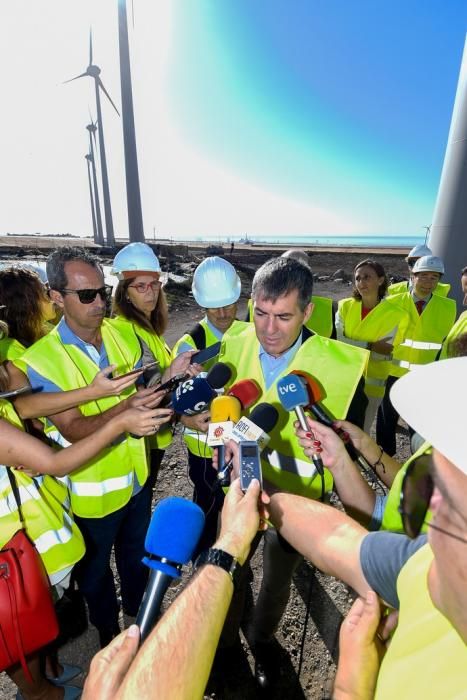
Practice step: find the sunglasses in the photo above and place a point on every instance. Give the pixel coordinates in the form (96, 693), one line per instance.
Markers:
(87, 296)
(416, 492)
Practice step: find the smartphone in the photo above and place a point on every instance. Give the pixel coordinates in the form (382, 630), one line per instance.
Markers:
(207, 354)
(143, 368)
(16, 392)
(250, 464)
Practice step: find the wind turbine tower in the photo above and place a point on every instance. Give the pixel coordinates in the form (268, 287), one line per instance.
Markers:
(88, 157)
(448, 235)
(133, 193)
(93, 72)
(92, 128)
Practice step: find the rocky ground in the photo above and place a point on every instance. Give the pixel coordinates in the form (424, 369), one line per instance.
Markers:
(328, 600)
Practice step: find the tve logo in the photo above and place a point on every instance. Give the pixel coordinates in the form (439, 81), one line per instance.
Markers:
(288, 388)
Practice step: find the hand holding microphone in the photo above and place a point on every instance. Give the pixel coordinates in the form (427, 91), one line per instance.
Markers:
(293, 395)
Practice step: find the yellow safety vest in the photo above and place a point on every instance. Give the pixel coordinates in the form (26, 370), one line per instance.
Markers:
(442, 288)
(104, 484)
(384, 321)
(459, 328)
(392, 519)
(46, 511)
(426, 657)
(194, 440)
(161, 352)
(337, 366)
(321, 319)
(425, 334)
(10, 349)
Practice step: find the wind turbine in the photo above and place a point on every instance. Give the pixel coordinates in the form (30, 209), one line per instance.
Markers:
(88, 157)
(92, 128)
(133, 193)
(93, 72)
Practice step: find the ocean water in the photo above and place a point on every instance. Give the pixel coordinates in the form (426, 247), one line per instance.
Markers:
(325, 241)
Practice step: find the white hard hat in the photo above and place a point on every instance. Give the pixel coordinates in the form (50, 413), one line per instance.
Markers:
(444, 427)
(40, 271)
(135, 258)
(429, 263)
(215, 283)
(419, 251)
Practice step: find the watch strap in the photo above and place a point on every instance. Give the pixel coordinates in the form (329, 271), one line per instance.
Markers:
(217, 557)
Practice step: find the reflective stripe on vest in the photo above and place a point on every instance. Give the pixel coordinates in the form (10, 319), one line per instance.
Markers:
(421, 345)
(427, 657)
(338, 366)
(69, 368)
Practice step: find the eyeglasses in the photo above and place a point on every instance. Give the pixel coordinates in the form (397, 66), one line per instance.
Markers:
(416, 492)
(87, 296)
(142, 288)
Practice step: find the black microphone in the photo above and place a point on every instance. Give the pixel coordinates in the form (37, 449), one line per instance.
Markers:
(195, 395)
(173, 534)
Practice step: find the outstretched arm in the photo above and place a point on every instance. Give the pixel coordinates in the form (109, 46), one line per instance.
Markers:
(18, 449)
(176, 659)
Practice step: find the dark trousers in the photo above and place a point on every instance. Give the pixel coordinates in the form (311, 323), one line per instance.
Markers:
(386, 421)
(208, 495)
(125, 530)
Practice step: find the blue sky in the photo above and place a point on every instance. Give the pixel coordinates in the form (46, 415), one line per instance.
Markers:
(253, 116)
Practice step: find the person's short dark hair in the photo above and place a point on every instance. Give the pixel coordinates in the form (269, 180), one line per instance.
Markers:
(57, 260)
(458, 346)
(380, 271)
(280, 276)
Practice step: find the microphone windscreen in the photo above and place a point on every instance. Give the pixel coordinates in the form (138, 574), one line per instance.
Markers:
(315, 389)
(292, 392)
(193, 396)
(247, 391)
(225, 408)
(219, 375)
(265, 416)
(173, 534)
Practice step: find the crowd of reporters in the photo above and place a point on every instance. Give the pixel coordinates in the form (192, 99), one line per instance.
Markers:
(98, 490)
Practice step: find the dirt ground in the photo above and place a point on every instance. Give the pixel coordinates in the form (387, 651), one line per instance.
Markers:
(328, 599)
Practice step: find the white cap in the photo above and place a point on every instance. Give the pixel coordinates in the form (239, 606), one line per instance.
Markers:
(428, 263)
(419, 251)
(431, 399)
(215, 283)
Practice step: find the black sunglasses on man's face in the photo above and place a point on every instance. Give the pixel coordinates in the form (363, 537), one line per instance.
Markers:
(87, 296)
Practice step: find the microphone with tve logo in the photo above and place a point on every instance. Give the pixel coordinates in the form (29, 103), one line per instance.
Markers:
(173, 534)
(293, 395)
(315, 395)
(195, 395)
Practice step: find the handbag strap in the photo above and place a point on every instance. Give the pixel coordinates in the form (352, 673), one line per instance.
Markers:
(16, 494)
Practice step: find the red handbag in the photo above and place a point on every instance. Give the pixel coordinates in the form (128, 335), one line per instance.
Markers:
(27, 616)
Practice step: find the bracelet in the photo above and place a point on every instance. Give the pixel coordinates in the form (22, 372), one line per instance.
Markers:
(379, 461)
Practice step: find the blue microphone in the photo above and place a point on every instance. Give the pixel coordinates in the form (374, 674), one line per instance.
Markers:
(293, 395)
(173, 534)
(195, 395)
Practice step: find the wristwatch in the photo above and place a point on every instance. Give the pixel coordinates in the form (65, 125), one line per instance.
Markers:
(217, 557)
